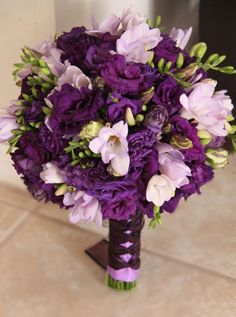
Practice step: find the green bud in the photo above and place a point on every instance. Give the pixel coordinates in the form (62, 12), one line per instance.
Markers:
(88, 152)
(75, 162)
(46, 71)
(129, 117)
(47, 86)
(181, 142)
(112, 172)
(150, 60)
(180, 60)
(139, 117)
(91, 130)
(81, 154)
(217, 158)
(158, 21)
(160, 64)
(167, 66)
(147, 95)
(198, 50)
(204, 136)
(144, 108)
(62, 189)
(47, 111)
(188, 71)
(150, 22)
(18, 112)
(230, 118)
(42, 63)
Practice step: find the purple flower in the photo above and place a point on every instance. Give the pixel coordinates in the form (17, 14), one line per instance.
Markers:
(51, 142)
(167, 94)
(33, 112)
(127, 78)
(32, 148)
(181, 37)
(156, 118)
(97, 56)
(168, 50)
(117, 106)
(7, 124)
(184, 128)
(72, 108)
(216, 142)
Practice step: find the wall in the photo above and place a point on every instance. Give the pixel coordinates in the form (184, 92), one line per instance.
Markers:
(24, 22)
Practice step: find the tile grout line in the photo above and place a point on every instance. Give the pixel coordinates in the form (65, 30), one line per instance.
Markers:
(179, 261)
(14, 228)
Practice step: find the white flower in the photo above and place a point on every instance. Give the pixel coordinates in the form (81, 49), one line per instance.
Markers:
(110, 24)
(75, 77)
(51, 174)
(7, 124)
(113, 146)
(181, 37)
(160, 189)
(171, 164)
(85, 208)
(209, 109)
(135, 43)
(131, 18)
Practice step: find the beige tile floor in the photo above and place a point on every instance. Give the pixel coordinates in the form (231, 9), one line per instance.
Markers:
(188, 263)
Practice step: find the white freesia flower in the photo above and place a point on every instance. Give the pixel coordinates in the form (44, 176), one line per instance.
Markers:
(130, 18)
(209, 109)
(75, 77)
(181, 37)
(160, 189)
(85, 208)
(7, 124)
(113, 145)
(171, 164)
(135, 43)
(51, 174)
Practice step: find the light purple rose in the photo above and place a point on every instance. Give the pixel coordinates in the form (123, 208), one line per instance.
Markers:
(171, 164)
(209, 109)
(159, 189)
(181, 37)
(135, 43)
(7, 124)
(85, 208)
(113, 145)
(75, 77)
(51, 174)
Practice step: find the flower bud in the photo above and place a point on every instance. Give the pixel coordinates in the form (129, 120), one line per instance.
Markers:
(181, 142)
(204, 136)
(129, 117)
(91, 130)
(62, 189)
(147, 95)
(217, 158)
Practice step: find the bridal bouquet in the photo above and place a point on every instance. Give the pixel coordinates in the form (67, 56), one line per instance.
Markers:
(118, 122)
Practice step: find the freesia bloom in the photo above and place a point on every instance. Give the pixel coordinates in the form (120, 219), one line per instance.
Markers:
(85, 207)
(113, 146)
(52, 56)
(208, 109)
(131, 18)
(135, 43)
(7, 124)
(181, 37)
(110, 24)
(51, 174)
(171, 164)
(160, 189)
(75, 77)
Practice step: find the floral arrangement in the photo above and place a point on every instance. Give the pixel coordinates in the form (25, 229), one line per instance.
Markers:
(118, 122)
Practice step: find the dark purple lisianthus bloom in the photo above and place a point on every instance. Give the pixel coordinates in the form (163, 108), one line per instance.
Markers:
(201, 174)
(121, 209)
(24, 165)
(117, 106)
(97, 56)
(172, 204)
(34, 111)
(33, 148)
(167, 93)
(168, 50)
(183, 127)
(72, 108)
(140, 146)
(51, 142)
(156, 118)
(127, 78)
